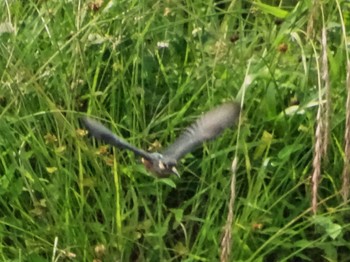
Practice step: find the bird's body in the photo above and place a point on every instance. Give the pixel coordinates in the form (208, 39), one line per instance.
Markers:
(163, 164)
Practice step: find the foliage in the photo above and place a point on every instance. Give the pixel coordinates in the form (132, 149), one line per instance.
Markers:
(148, 68)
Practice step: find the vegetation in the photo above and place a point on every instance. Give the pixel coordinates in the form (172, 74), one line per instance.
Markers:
(147, 69)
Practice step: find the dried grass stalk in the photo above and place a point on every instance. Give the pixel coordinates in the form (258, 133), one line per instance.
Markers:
(316, 163)
(322, 129)
(327, 86)
(226, 241)
(312, 17)
(346, 169)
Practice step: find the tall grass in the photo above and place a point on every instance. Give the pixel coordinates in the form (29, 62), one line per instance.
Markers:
(147, 69)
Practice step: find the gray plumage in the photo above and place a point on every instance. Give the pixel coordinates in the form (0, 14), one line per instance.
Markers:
(99, 131)
(207, 127)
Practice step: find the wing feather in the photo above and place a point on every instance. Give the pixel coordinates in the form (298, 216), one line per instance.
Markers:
(207, 127)
(99, 131)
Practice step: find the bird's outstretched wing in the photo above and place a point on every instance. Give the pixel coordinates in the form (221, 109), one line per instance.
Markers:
(99, 131)
(207, 127)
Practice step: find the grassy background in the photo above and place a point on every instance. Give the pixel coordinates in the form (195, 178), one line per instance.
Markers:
(148, 68)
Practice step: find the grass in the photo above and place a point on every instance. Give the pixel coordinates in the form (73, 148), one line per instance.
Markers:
(147, 69)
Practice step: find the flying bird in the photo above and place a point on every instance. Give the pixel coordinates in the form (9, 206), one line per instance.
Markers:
(163, 164)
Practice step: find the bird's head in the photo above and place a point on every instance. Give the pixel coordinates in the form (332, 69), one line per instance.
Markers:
(161, 166)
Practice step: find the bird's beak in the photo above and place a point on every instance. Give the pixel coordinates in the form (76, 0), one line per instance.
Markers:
(174, 170)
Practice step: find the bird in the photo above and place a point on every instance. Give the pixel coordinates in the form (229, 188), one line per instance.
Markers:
(163, 164)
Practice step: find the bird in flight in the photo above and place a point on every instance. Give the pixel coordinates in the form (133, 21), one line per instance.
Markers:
(163, 164)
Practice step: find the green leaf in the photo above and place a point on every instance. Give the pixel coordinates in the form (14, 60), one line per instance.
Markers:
(288, 150)
(275, 11)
